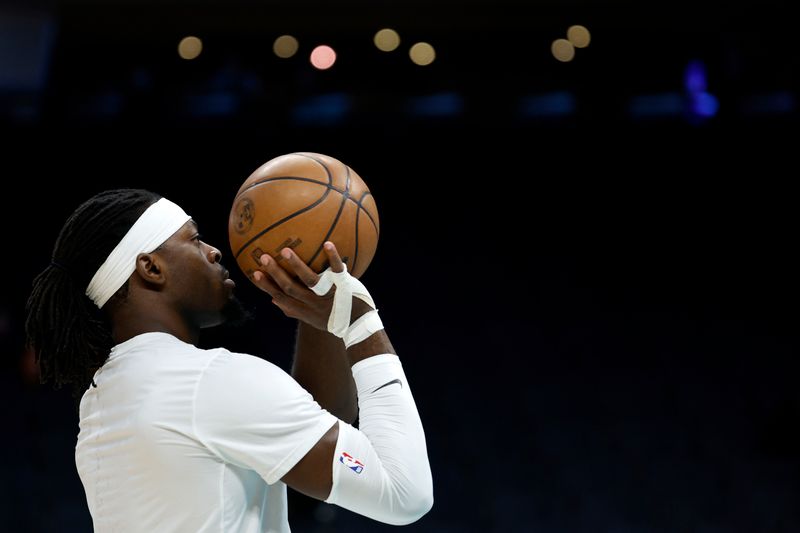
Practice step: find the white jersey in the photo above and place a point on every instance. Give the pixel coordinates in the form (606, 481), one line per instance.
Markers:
(179, 439)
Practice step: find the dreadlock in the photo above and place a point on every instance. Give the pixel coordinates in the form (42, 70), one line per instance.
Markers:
(70, 336)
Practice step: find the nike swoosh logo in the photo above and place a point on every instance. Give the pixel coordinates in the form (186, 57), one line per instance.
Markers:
(389, 383)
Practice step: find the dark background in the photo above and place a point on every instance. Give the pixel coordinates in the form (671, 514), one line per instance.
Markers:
(597, 309)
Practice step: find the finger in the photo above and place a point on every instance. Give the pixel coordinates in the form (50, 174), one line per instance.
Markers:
(286, 283)
(333, 256)
(266, 284)
(290, 307)
(306, 275)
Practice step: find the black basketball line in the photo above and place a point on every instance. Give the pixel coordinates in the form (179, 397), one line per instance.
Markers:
(345, 196)
(360, 204)
(301, 154)
(355, 254)
(284, 219)
(329, 185)
(276, 178)
(358, 216)
(311, 157)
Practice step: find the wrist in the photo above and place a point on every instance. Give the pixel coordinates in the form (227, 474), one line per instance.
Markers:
(376, 344)
(359, 309)
(362, 328)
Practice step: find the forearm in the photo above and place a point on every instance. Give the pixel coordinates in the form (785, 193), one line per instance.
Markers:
(321, 365)
(381, 470)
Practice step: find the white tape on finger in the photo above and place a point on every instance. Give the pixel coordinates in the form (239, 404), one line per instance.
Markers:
(346, 288)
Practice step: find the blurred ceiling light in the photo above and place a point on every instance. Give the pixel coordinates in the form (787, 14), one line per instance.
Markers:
(323, 57)
(579, 36)
(562, 50)
(422, 54)
(190, 47)
(285, 46)
(387, 40)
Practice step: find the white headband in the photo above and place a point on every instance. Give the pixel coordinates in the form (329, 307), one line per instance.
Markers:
(157, 224)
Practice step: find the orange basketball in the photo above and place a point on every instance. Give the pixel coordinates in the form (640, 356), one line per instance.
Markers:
(301, 200)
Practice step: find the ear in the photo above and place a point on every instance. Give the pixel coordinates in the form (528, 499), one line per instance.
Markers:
(151, 269)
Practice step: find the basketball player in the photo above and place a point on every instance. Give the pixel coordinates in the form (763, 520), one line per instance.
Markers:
(178, 439)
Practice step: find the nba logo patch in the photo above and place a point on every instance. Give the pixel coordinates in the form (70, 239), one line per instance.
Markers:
(353, 464)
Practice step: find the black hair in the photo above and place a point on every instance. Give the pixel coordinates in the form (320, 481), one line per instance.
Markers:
(70, 336)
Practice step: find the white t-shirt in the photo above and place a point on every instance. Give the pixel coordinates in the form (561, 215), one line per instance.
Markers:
(179, 439)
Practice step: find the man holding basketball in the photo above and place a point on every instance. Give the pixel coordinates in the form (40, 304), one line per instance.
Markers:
(175, 438)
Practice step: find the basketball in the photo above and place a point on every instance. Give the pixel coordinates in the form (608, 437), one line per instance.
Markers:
(300, 200)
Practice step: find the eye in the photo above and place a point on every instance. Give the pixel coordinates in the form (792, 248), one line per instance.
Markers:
(197, 237)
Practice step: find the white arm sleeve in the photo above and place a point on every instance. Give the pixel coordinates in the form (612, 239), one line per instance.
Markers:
(381, 471)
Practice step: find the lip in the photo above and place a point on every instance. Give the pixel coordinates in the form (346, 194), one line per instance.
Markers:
(226, 279)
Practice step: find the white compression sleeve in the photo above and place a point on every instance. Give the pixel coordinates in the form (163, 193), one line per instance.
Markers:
(381, 471)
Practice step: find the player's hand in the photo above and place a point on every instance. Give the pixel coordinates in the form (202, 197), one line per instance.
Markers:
(292, 295)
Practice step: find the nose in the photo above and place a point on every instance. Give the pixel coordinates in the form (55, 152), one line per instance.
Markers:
(214, 255)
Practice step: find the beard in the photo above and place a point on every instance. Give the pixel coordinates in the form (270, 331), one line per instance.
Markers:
(226, 330)
(234, 314)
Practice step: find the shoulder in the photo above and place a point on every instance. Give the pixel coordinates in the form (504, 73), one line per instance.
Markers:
(225, 361)
(245, 375)
(244, 391)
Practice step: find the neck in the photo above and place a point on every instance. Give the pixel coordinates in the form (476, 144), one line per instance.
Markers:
(129, 321)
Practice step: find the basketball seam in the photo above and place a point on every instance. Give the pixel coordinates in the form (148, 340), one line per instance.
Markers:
(281, 221)
(345, 196)
(359, 202)
(329, 184)
(277, 178)
(301, 154)
(355, 254)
